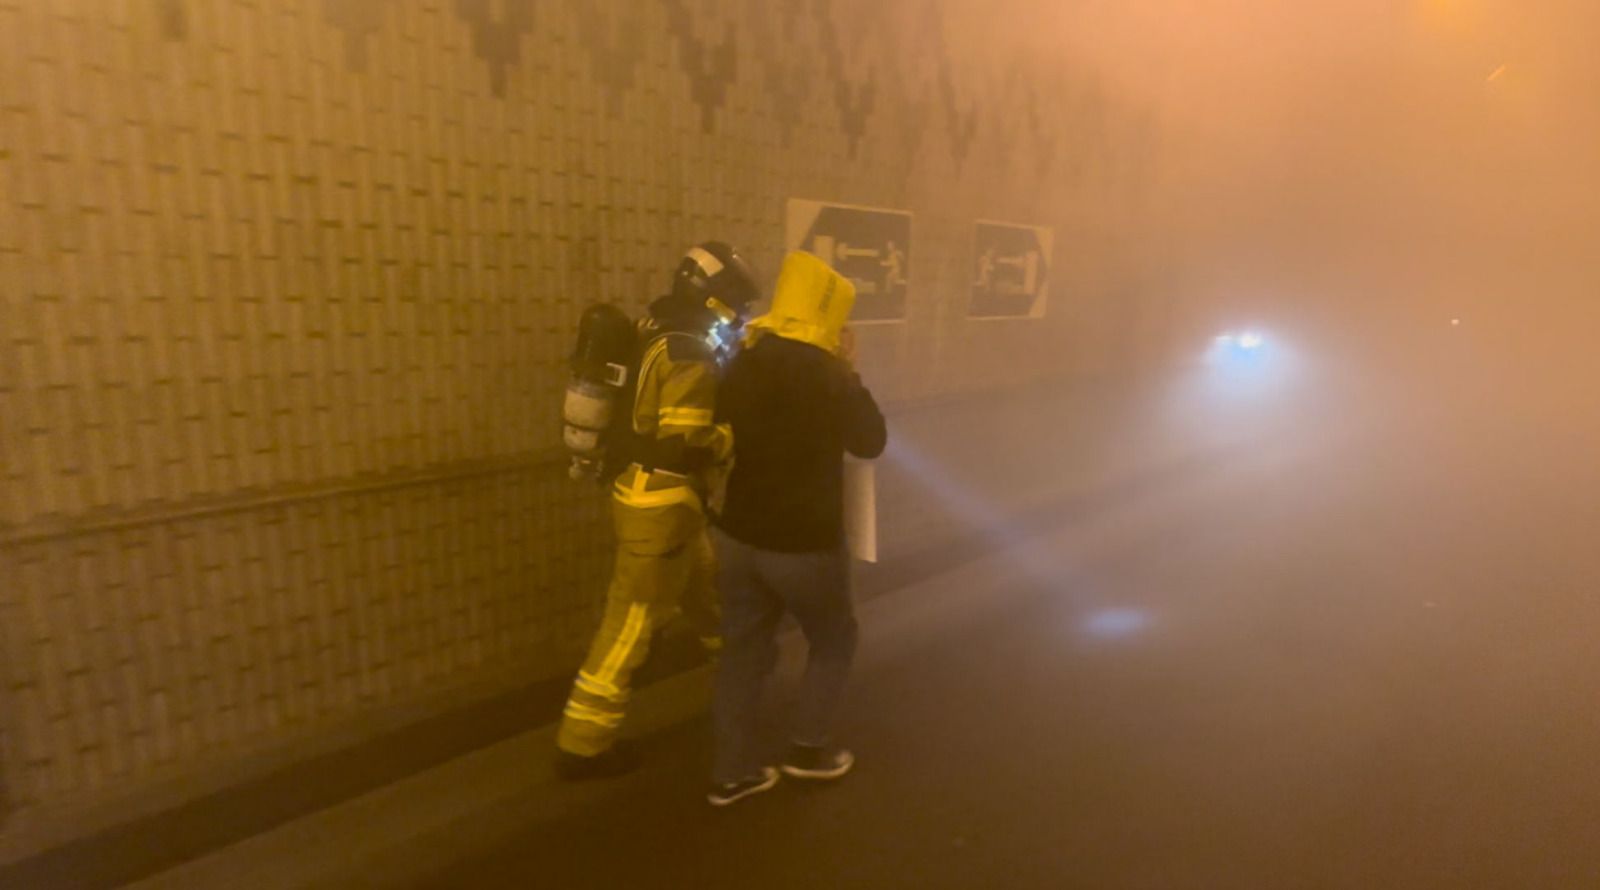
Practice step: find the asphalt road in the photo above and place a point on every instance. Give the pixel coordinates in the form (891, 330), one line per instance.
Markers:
(1359, 654)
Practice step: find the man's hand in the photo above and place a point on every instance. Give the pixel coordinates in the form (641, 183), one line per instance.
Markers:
(847, 346)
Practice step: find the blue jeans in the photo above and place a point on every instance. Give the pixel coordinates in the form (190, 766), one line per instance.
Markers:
(757, 587)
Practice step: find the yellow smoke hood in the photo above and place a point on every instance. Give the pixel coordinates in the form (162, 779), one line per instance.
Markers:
(810, 303)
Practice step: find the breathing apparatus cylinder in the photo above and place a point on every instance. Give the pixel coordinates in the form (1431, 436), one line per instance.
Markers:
(601, 363)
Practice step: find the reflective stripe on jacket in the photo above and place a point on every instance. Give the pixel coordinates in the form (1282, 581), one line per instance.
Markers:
(676, 397)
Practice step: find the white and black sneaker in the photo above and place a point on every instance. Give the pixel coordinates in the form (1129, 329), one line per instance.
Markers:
(817, 763)
(722, 795)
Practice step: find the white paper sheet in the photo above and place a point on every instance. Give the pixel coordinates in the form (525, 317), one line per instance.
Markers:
(861, 509)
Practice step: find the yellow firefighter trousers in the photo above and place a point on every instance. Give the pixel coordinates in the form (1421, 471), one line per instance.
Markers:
(664, 563)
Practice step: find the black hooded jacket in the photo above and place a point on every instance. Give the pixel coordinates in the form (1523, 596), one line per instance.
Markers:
(795, 411)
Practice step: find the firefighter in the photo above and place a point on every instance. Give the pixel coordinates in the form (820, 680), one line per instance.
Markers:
(664, 563)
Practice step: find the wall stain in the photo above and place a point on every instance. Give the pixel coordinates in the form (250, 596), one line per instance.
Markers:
(963, 124)
(615, 50)
(853, 101)
(359, 21)
(711, 69)
(784, 75)
(173, 17)
(498, 27)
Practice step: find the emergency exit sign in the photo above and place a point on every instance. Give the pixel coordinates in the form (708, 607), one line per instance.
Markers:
(870, 246)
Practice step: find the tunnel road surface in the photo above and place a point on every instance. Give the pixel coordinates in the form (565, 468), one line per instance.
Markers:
(1318, 667)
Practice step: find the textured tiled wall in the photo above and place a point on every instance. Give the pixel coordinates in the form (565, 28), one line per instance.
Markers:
(286, 286)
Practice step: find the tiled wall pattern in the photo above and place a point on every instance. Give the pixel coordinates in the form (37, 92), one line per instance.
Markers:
(287, 286)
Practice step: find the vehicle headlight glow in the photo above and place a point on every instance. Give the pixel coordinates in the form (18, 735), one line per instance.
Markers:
(1240, 344)
(1245, 349)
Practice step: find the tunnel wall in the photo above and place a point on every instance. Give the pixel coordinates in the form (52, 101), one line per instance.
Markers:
(287, 289)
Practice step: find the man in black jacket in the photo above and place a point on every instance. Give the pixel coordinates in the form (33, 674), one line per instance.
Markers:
(796, 406)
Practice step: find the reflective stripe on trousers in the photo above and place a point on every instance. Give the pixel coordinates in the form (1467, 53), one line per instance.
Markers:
(663, 562)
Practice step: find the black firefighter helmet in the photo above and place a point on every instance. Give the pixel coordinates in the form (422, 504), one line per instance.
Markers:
(712, 284)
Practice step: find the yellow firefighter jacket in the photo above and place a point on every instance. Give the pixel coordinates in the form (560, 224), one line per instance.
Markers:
(674, 402)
